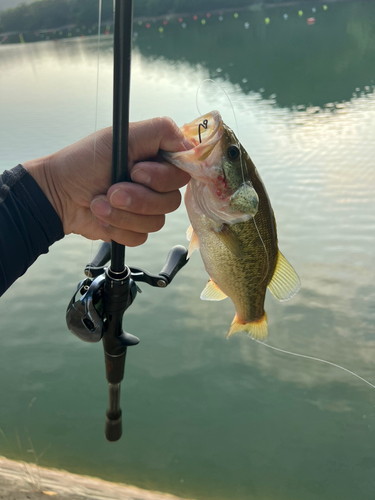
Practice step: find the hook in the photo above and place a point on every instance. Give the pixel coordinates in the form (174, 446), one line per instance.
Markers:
(204, 125)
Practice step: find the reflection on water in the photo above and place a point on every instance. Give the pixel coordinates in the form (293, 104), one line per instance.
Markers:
(210, 418)
(289, 62)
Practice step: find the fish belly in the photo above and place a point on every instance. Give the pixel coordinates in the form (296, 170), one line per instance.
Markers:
(243, 280)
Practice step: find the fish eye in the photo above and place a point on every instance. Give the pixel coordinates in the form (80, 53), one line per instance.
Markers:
(233, 152)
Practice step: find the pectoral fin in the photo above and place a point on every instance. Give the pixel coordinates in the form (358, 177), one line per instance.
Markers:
(285, 282)
(189, 232)
(212, 292)
(194, 241)
(229, 238)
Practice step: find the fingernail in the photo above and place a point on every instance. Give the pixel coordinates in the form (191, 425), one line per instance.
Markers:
(141, 177)
(101, 207)
(120, 198)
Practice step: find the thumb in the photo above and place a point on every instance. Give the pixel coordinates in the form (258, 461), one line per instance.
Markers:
(147, 137)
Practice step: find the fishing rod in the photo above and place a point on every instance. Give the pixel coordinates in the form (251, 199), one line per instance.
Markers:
(99, 302)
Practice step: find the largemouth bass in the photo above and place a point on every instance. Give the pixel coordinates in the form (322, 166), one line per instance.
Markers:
(233, 224)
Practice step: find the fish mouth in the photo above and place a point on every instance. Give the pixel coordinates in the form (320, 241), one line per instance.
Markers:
(204, 133)
(201, 130)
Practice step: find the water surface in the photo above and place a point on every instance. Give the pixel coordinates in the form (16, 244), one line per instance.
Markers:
(204, 417)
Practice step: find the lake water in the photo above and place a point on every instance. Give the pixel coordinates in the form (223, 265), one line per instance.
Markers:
(204, 417)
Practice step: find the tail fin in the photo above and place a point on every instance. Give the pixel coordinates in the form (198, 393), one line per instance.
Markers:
(256, 329)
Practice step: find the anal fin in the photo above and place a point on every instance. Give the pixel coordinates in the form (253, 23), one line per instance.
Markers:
(285, 282)
(212, 292)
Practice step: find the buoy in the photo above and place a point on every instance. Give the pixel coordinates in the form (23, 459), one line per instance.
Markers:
(161, 29)
(235, 15)
(285, 16)
(221, 18)
(267, 20)
(203, 21)
(165, 23)
(148, 25)
(195, 18)
(247, 26)
(183, 25)
(208, 15)
(310, 21)
(180, 19)
(300, 13)
(325, 7)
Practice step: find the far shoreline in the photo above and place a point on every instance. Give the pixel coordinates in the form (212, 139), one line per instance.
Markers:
(256, 7)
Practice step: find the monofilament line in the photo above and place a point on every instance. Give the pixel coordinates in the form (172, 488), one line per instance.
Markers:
(96, 113)
(225, 92)
(315, 359)
(265, 250)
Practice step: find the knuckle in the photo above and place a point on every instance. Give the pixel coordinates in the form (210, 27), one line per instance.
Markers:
(170, 127)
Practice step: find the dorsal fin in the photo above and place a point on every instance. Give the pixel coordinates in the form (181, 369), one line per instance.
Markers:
(212, 292)
(285, 282)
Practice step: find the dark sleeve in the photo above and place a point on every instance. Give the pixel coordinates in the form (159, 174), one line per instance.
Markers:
(28, 224)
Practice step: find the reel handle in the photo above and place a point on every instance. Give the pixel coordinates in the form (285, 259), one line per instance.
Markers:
(176, 260)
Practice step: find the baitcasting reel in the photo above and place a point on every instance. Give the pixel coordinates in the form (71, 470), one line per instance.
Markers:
(84, 315)
(96, 310)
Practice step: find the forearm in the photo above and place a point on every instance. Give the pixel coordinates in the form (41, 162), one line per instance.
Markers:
(28, 224)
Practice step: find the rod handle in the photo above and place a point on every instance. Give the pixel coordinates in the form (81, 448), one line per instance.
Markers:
(113, 427)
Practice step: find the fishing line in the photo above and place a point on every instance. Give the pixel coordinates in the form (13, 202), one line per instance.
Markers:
(265, 249)
(315, 359)
(226, 94)
(96, 119)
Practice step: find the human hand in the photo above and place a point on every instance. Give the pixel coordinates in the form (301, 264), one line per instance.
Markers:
(81, 193)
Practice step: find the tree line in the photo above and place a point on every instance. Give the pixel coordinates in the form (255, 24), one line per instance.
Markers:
(46, 14)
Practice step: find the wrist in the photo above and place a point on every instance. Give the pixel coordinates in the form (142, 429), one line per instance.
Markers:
(40, 170)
